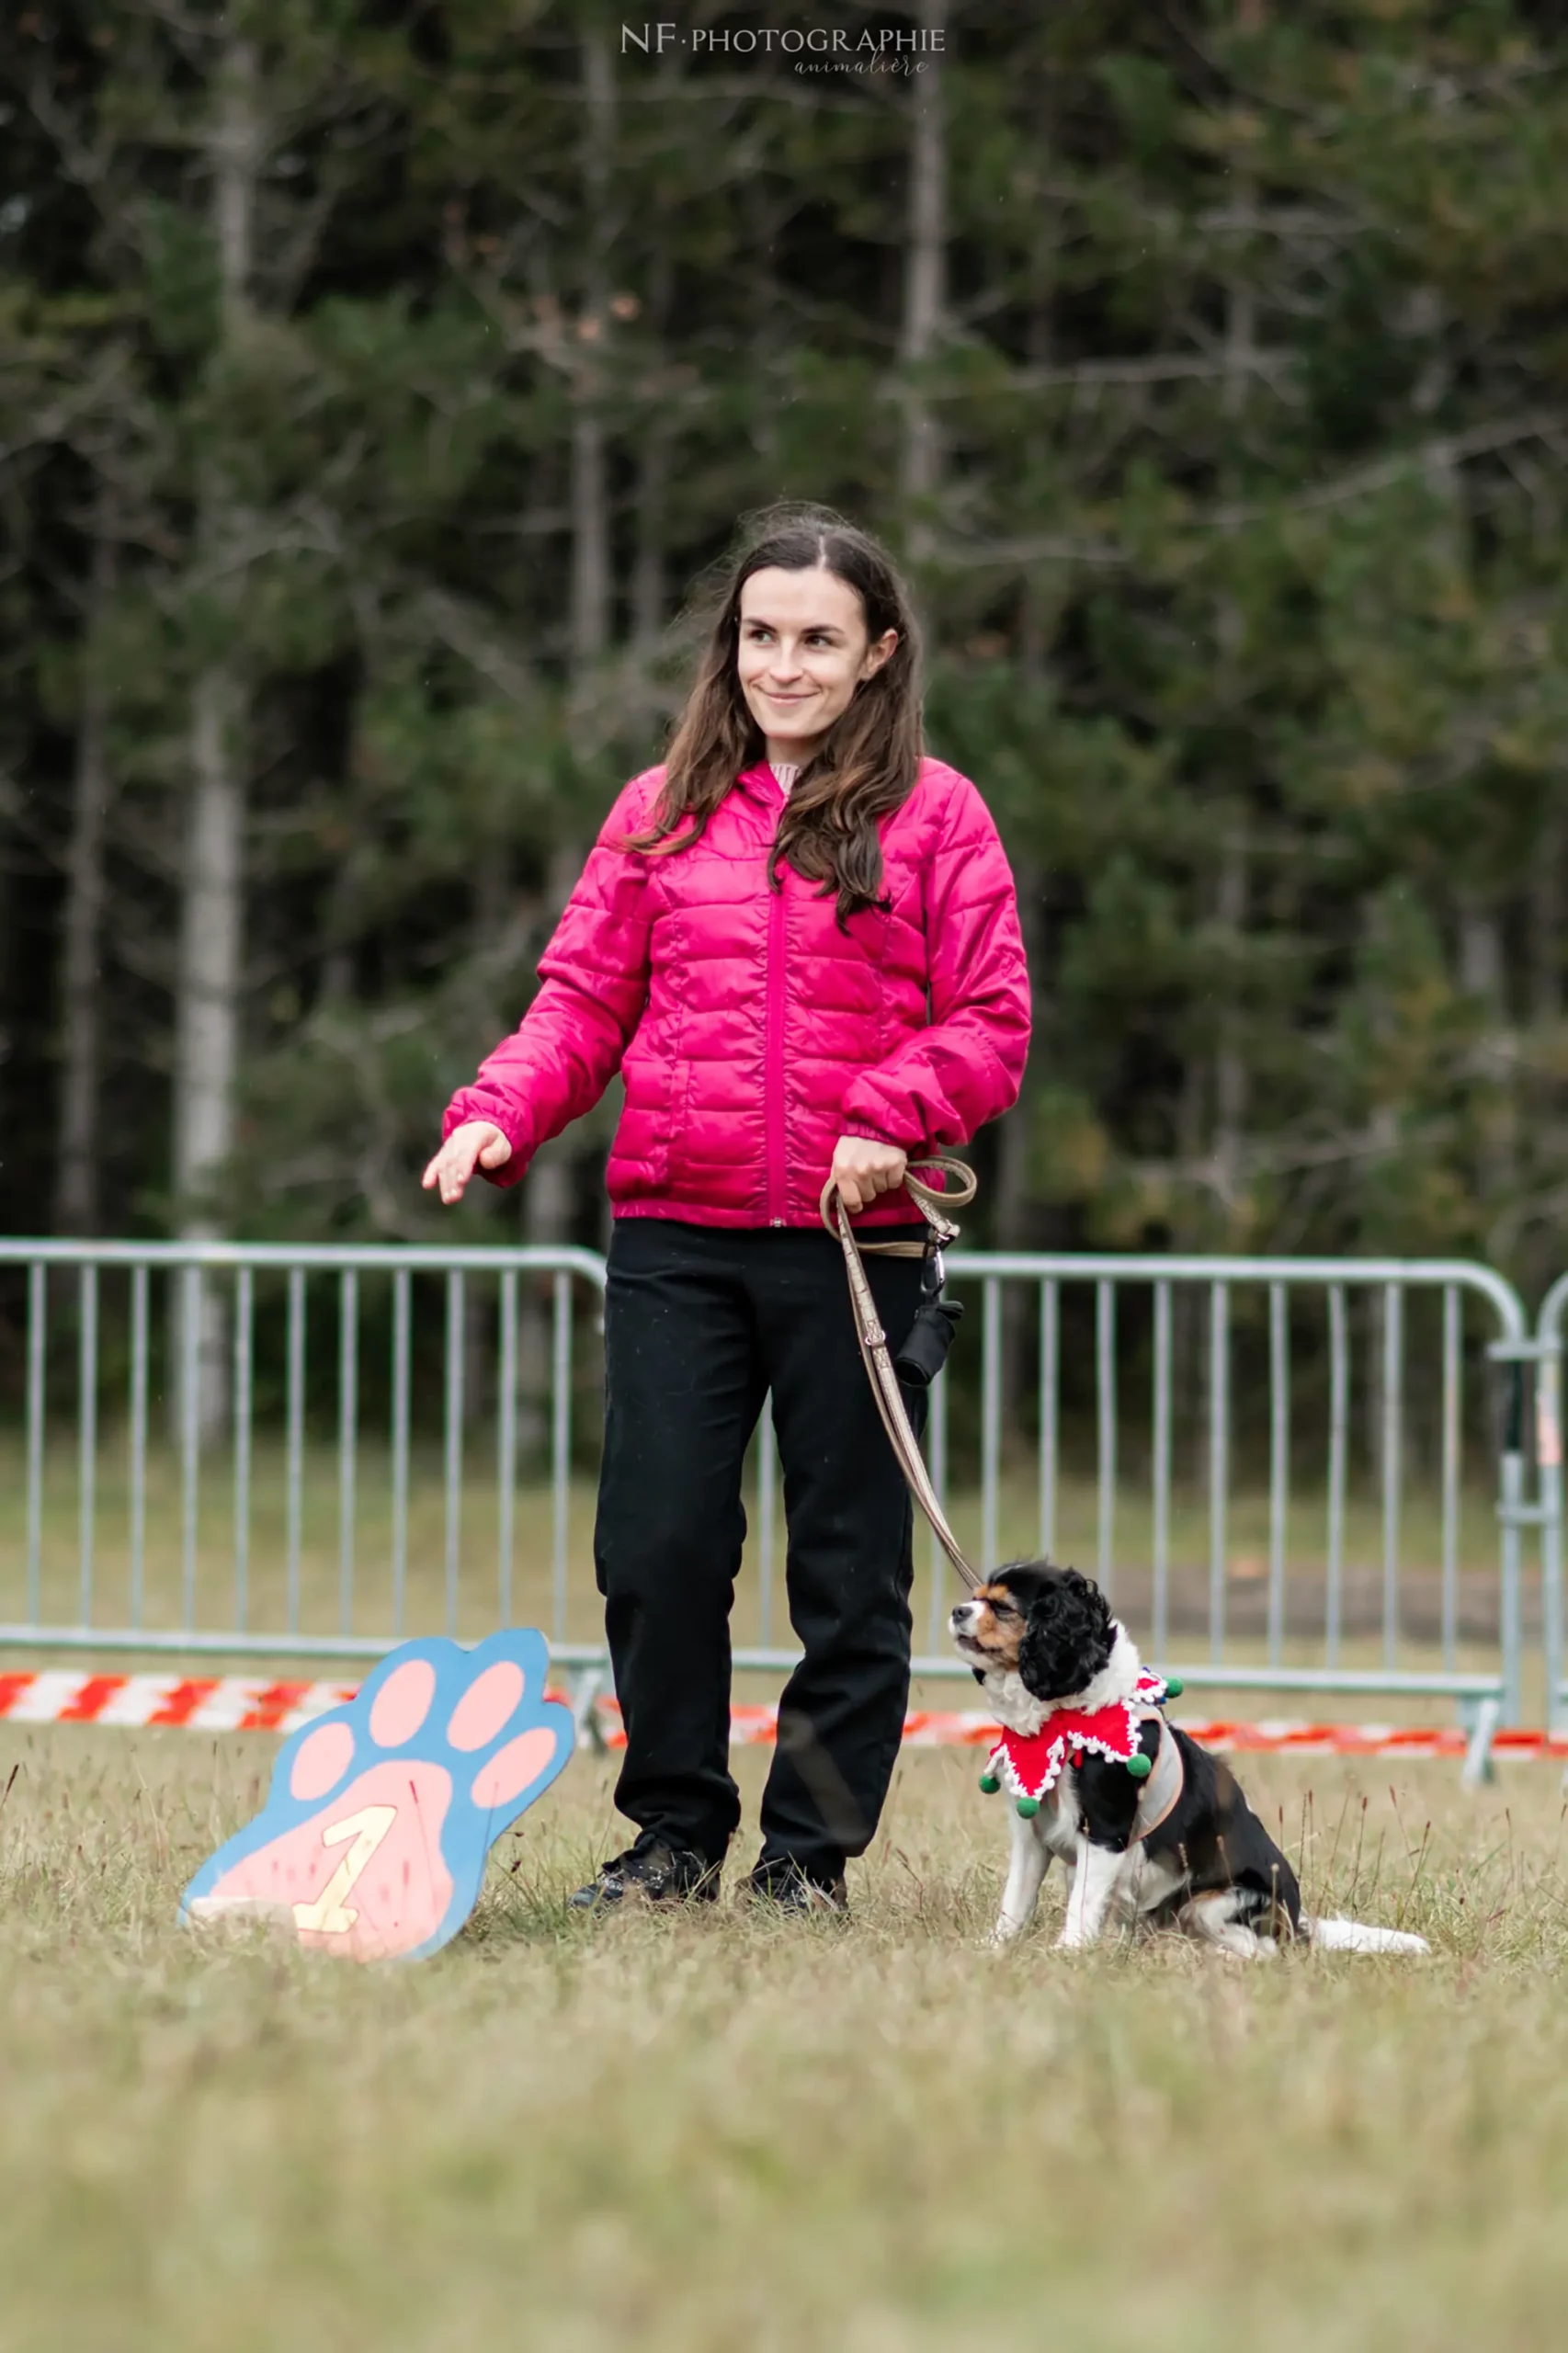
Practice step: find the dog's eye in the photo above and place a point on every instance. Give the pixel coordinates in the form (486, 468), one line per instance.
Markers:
(1002, 1610)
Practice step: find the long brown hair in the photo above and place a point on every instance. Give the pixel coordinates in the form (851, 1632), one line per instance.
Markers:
(867, 763)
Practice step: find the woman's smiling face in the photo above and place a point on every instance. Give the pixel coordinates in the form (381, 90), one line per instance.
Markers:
(803, 651)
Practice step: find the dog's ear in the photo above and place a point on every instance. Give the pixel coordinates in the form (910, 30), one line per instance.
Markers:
(1067, 1639)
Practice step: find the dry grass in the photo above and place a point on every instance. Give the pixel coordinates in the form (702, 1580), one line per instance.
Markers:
(708, 2133)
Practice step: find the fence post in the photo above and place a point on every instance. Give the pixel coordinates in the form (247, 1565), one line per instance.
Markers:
(1549, 1467)
(1512, 1515)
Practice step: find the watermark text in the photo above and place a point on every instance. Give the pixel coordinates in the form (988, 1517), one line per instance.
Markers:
(812, 48)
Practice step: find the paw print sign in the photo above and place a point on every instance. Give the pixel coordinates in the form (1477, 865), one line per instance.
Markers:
(373, 1839)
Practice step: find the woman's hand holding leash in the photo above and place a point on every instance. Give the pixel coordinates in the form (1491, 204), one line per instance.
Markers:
(862, 1168)
(478, 1143)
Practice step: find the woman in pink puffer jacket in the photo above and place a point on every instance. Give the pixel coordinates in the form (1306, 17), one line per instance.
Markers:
(797, 942)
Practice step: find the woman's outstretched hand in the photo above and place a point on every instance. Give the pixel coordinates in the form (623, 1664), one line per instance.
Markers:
(862, 1168)
(478, 1143)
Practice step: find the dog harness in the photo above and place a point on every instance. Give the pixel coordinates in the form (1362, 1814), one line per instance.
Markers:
(1030, 1764)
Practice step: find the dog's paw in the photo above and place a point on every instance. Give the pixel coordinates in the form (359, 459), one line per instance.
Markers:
(373, 1838)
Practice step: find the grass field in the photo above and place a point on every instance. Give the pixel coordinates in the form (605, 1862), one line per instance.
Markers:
(708, 2133)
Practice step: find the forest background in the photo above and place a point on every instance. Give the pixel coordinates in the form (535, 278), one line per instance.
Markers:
(376, 380)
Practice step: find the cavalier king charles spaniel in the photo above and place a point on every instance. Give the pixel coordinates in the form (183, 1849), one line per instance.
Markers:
(1155, 1830)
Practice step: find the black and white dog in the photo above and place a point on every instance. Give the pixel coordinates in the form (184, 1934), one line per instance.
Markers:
(1170, 1841)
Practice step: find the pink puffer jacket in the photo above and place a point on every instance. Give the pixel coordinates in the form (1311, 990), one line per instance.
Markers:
(750, 1031)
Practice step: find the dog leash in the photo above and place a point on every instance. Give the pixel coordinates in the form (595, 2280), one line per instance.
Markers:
(874, 1350)
(1159, 1795)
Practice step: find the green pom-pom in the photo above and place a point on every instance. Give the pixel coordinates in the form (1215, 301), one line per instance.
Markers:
(1139, 1766)
(990, 1784)
(1175, 1686)
(1028, 1806)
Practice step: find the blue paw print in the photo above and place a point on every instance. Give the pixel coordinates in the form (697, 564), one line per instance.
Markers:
(373, 1839)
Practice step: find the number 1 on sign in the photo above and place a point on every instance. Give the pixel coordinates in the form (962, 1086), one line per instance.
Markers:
(329, 1914)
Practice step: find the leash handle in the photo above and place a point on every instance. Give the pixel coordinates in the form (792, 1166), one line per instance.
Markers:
(933, 1205)
(874, 1351)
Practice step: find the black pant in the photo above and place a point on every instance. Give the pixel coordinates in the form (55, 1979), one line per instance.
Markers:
(700, 1322)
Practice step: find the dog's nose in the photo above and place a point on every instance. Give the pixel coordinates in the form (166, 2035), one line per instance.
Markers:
(961, 1614)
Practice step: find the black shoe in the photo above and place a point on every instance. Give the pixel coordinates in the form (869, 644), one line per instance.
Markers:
(787, 1888)
(653, 1871)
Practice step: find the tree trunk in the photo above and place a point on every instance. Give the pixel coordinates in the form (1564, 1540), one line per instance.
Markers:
(1230, 1068)
(648, 569)
(208, 1013)
(492, 908)
(590, 498)
(925, 291)
(1189, 1308)
(1546, 927)
(652, 483)
(1484, 975)
(548, 1199)
(209, 948)
(1480, 956)
(1010, 1224)
(1038, 603)
(590, 554)
(207, 1025)
(549, 1186)
(1013, 1199)
(78, 1144)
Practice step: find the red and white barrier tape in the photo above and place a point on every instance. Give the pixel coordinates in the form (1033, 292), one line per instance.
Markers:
(200, 1702)
(258, 1703)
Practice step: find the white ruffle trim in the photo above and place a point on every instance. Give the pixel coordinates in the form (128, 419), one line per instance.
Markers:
(1135, 1712)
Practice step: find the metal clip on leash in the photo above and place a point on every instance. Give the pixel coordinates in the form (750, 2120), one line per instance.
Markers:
(874, 1350)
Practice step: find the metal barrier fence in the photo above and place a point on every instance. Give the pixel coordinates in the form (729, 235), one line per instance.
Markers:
(238, 1294)
(1549, 1468)
(1486, 1690)
(1220, 1352)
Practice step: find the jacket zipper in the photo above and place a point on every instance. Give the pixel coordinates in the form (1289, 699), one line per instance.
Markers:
(773, 1067)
